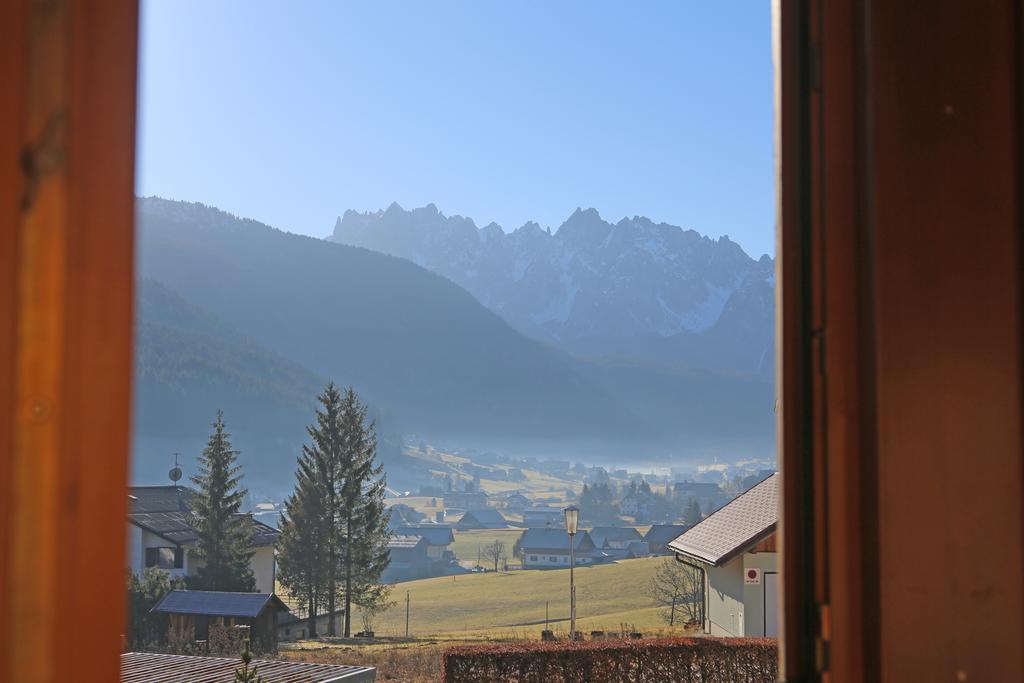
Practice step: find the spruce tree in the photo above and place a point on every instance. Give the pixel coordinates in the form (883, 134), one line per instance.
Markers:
(320, 465)
(224, 536)
(363, 519)
(301, 556)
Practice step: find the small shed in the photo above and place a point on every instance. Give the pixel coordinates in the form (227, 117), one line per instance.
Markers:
(192, 612)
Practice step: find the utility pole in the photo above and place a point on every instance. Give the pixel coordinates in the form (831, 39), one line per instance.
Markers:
(407, 615)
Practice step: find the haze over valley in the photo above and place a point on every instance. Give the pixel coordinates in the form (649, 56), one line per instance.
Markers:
(628, 342)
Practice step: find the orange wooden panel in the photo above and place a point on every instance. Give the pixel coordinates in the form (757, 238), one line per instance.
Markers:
(68, 416)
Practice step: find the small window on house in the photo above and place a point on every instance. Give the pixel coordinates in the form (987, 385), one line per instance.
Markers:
(533, 558)
(179, 558)
(164, 558)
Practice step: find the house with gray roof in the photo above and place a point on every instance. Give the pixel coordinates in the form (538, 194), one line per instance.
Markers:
(549, 548)
(542, 516)
(160, 534)
(660, 535)
(488, 518)
(733, 552)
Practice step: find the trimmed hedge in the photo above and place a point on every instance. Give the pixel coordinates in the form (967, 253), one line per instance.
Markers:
(683, 660)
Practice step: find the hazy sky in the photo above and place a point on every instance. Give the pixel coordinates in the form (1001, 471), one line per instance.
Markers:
(292, 112)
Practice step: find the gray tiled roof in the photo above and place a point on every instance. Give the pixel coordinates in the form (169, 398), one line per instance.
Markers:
(164, 510)
(153, 667)
(600, 534)
(435, 534)
(160, 498)
(485, 516)
(746, 520)
(554, 539)
(663, 533)
(217, 603)
(405, 541)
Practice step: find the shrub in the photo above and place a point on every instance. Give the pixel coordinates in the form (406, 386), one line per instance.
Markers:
(683, 660)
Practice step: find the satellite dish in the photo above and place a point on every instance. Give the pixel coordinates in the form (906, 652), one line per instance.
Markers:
(175, 474)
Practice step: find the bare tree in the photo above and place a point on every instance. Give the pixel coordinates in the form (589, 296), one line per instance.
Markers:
(677, 589)
(494, 552)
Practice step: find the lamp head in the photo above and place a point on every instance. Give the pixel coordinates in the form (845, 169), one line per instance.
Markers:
(572, 519)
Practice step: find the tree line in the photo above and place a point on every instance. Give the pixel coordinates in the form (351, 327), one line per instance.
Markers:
(334, 529)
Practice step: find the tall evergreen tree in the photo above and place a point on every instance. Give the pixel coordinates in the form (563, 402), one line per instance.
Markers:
(362, 517)
(335, 535)
(224, 536)
(302, 557)
(320, 465)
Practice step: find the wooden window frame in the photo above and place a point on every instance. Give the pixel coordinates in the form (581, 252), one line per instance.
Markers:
(895, 120)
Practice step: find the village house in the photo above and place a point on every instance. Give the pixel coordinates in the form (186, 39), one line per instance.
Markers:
(709, 496)
(734, 553)
(488, 518)
(438, 537)
(408, 559)
(541, 517)
(160, 534)
(517, 502)
(614, 537)
(660, 535)
(635, 505)
(465, 500)
(547, 548)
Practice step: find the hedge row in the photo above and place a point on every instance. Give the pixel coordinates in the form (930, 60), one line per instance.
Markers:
(686, 660)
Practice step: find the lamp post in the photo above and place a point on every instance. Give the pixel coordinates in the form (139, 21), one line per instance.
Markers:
(572, 522)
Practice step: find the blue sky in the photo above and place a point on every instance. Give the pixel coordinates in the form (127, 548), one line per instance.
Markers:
(293, 112)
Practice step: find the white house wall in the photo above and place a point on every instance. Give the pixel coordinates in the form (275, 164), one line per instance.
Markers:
(725, 611)
(544, 560)
(262, 564)
(753, 594)
(735, 608)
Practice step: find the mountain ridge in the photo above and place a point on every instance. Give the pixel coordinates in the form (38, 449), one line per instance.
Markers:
(592, 287)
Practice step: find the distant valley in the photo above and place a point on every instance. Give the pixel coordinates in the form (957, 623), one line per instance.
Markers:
(235, 314)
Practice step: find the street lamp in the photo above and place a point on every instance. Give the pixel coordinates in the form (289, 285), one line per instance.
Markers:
(572, 523)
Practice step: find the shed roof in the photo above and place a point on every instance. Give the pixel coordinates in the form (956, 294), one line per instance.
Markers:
(152, 667)
(732, 529)
(217, 603)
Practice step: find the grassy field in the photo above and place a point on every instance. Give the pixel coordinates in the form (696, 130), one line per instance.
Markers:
(512, 604)
(467, 542)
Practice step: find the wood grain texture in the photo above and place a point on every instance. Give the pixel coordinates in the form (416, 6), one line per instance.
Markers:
(70, 352)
